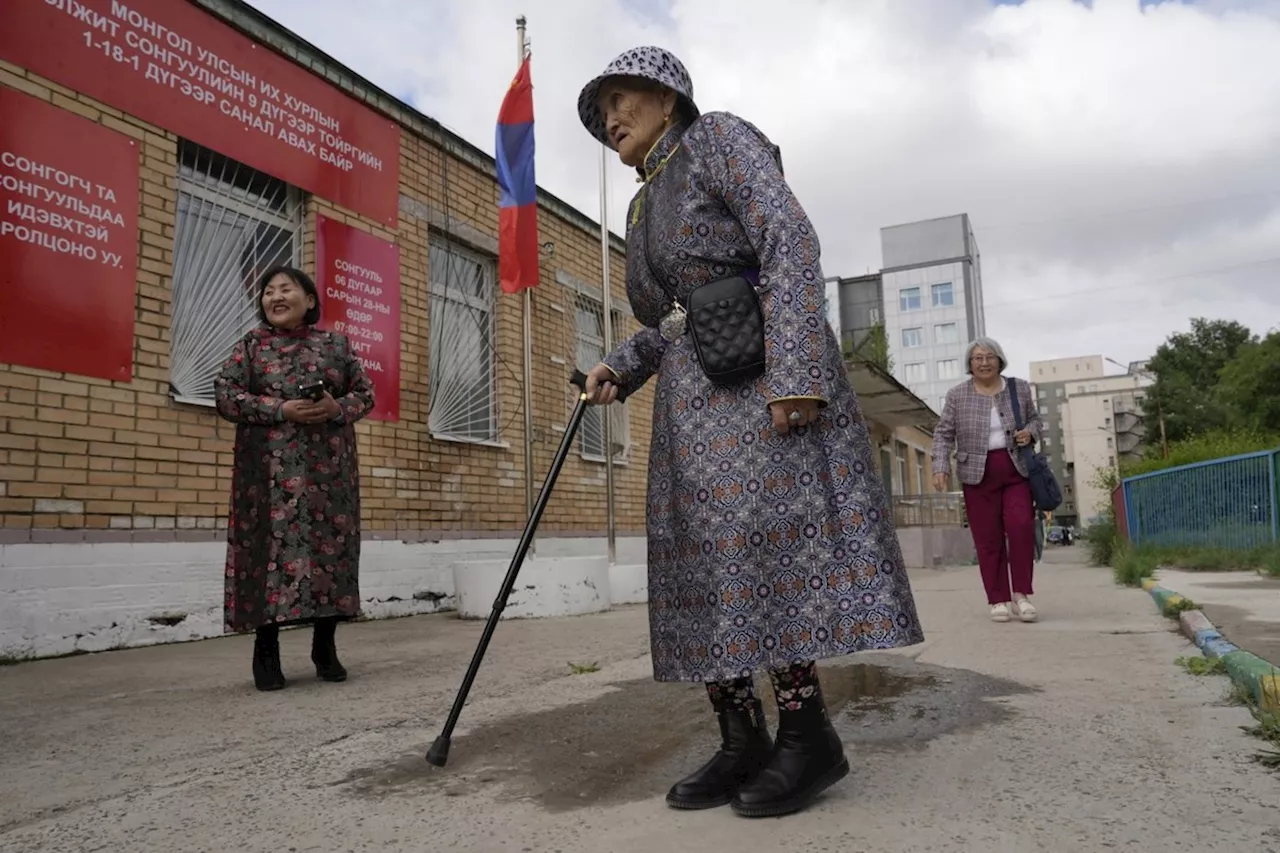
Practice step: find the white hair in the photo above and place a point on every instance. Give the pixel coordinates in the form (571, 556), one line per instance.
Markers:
(987, 344)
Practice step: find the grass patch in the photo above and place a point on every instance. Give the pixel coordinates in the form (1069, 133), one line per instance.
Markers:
(1267, 728)
(583, 668)
(1133, 565)
(1172, 609)
(1202, 665)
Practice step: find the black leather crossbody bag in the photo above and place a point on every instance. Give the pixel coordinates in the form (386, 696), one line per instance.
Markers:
(725, 321)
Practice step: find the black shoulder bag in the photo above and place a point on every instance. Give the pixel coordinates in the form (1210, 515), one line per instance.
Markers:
(725, 321)
(1044, 486)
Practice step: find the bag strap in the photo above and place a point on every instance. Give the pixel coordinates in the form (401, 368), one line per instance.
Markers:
(1013, 401)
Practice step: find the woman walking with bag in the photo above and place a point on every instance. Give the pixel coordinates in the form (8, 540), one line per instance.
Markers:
(293, 535)
(979, 423)
(771, 544)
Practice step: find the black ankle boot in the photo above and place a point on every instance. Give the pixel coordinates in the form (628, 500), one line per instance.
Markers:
(744, 751)
(324, 651)
(267, 672)
(807, 759)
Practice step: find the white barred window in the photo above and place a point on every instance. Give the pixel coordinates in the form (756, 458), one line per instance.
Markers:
(460, 307)
(588, 315)
(233, 224)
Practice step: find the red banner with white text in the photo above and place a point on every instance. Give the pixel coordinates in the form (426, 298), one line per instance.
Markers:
(68, 241)
(178, 67)
(358, 276)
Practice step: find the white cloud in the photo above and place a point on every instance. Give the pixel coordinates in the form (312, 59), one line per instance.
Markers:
(1121, 164)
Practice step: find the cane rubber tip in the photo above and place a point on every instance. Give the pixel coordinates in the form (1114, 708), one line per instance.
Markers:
(438, 754)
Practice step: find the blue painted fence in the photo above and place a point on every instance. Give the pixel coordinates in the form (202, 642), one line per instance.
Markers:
(1223, 503)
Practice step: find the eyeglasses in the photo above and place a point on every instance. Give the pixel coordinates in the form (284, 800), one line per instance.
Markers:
(985, 359)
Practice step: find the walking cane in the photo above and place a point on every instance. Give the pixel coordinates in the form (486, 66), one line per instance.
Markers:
(438, 754)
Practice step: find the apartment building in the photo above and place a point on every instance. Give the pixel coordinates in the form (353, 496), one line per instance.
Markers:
(1092, 421)
(933, 302)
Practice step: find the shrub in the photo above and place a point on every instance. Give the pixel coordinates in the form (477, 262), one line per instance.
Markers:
(1218, 444)
(1102, 538)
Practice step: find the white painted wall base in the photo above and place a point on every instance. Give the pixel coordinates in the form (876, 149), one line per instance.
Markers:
(629, 583)
(545, 586)
(58, 599)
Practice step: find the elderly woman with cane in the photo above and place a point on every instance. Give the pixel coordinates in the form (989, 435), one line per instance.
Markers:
(770, 540)
(979, 425)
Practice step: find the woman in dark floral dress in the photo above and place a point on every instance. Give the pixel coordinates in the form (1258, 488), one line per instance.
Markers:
(771, 544)
(293, 535)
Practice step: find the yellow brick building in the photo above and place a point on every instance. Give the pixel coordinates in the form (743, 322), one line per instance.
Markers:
(113, 494)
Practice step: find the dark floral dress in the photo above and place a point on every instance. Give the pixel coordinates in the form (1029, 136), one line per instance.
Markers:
(293, 534)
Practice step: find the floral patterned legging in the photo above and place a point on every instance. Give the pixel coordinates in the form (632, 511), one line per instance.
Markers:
(794, 688)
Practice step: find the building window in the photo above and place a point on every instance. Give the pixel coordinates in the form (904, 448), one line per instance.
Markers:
(949, 368)
(460, 310)
(1111, 460)
(946, 333)
(1108, 421)
(1059, 392)
(943, 295)
(233, 224)
(909, 299)
(921, 467)
(588, 319)
(1044, 410)
(914, 372)
(912, 338)
(901, 458)
(1070, 507)
(1046, 441)
(1079, 389)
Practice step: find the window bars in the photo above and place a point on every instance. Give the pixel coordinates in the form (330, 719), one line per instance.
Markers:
(461, 339)
(588, 321)
(233, 224)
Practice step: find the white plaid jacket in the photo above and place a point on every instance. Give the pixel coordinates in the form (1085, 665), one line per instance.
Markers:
(965, 427)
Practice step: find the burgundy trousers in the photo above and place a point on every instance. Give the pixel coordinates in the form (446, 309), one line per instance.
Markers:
(1003, 524)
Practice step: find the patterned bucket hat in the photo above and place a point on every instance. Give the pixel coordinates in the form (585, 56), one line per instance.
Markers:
(649, 63)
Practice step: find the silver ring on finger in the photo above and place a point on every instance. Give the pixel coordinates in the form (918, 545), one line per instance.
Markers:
(794, 417)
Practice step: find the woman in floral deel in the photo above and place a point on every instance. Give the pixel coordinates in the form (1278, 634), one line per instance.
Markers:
(293, 533)
(770, 538)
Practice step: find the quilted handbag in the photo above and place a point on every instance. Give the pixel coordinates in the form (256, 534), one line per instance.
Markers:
(1045, 491)
(725, 321)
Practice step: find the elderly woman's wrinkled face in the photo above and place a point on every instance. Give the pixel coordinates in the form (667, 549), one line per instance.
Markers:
(635, 117)
(984, 363)
(285, 302)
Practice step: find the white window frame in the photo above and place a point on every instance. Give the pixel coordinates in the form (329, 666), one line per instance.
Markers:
(589, 345)
(948, 374)
(903, 306)
(920, 339)
(937, 336)
(481, 311)
(934, 291)
(921, 375)
(202, 334)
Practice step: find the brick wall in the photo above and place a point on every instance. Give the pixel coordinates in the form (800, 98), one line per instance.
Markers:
(90, 460)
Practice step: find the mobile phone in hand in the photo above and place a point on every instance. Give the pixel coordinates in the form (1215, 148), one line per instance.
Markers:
(313, 391)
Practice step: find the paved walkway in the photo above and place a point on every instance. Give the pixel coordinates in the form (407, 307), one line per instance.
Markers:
(1075, 734)
(1243, 606)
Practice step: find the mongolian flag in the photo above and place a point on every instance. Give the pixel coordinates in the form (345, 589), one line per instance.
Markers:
(518, 197)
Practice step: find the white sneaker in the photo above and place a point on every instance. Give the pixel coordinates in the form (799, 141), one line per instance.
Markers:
(1025, 610)
(999, 613)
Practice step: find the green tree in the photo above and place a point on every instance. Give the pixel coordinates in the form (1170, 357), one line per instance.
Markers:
(1249, 385)
(1187, 368)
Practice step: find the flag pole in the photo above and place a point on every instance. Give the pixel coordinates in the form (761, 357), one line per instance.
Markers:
(606, 303)
(521, 48)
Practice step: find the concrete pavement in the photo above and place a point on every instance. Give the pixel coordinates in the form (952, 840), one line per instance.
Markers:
(1074, 734)
(1244, 606)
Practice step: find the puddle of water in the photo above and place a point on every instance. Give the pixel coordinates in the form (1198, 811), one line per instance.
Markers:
(632, 743)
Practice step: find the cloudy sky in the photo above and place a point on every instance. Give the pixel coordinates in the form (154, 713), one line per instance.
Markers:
(1120, 161)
